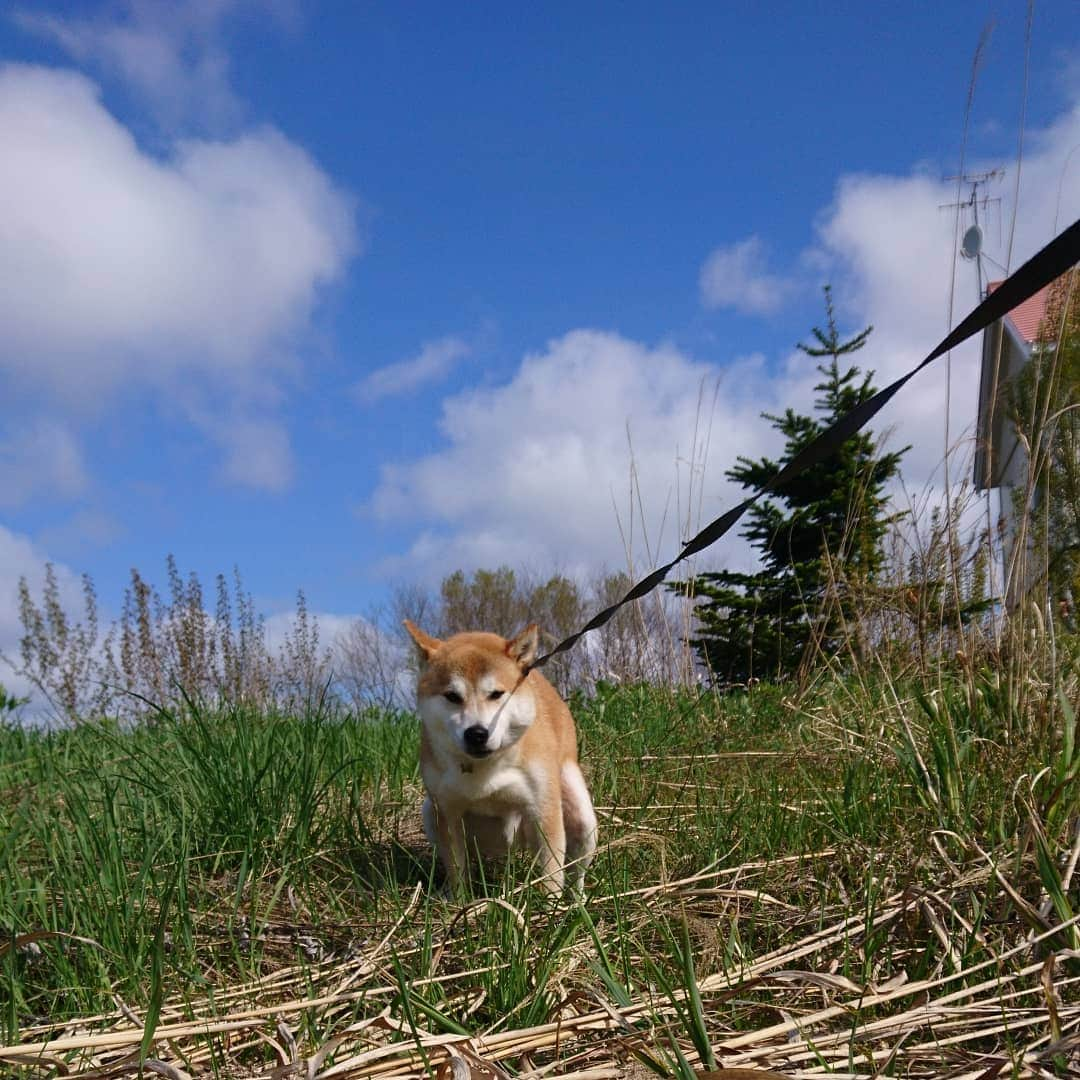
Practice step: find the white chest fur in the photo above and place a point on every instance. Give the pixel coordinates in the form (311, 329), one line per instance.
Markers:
(483, 787)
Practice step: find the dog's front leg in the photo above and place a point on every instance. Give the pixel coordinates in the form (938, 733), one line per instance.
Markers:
(445, 827)
(579, 820)
(549, 833)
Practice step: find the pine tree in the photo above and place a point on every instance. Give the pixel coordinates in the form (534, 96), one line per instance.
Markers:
(826, 523)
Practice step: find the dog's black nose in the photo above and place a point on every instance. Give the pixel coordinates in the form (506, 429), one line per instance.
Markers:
(476, 738)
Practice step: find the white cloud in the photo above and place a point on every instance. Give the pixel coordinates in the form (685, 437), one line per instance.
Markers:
(891, 249)
(171, 55)
(530, 469)
(538, 471)
(40, 458)
(88, 527)
(280, 624)
(433, 363)
(737, 276)
(257, 454)
(1050, 183)
(190, 276)
(121, 268)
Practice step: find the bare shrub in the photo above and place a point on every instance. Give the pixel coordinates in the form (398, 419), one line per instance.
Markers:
(641, 643)
(373, 661)
(161, 653)
(370, 664)
(165, 651)
(244, 672)
(60, 656)
(303, 667)
(930, 597)
(505, 600)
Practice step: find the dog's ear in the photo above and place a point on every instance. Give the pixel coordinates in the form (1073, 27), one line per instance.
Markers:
(425, 643)
(523, 647)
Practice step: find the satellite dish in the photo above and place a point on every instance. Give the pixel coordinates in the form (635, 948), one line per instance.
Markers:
(971, 245)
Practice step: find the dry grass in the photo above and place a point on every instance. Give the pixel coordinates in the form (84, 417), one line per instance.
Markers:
(995, 997)
(1014, 1013)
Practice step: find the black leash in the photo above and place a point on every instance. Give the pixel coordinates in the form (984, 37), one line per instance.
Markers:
(1059, 255)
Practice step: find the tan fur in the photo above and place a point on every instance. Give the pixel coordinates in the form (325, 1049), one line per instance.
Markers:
(523, 783)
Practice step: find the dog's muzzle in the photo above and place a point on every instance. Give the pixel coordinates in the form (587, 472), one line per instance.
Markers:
(476, 741)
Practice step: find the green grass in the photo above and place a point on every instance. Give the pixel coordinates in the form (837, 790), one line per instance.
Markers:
(280, 859)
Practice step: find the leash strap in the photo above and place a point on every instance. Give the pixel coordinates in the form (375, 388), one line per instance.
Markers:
(1049, 264)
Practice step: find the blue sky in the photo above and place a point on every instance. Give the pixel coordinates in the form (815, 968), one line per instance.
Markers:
(351, 294)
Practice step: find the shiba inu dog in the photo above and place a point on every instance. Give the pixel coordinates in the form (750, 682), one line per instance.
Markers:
(498, 755)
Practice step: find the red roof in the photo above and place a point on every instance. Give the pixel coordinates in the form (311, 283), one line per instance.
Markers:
(1028, 316)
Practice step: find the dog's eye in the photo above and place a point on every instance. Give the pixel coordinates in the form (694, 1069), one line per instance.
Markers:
(453, 697)
(495, 695)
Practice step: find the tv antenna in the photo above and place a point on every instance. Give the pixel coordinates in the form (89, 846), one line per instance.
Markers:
(971, 244)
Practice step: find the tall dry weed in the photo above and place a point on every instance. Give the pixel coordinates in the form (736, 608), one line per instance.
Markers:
(162, 652)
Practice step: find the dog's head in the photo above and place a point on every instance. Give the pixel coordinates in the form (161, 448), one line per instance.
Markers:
(472, 692)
